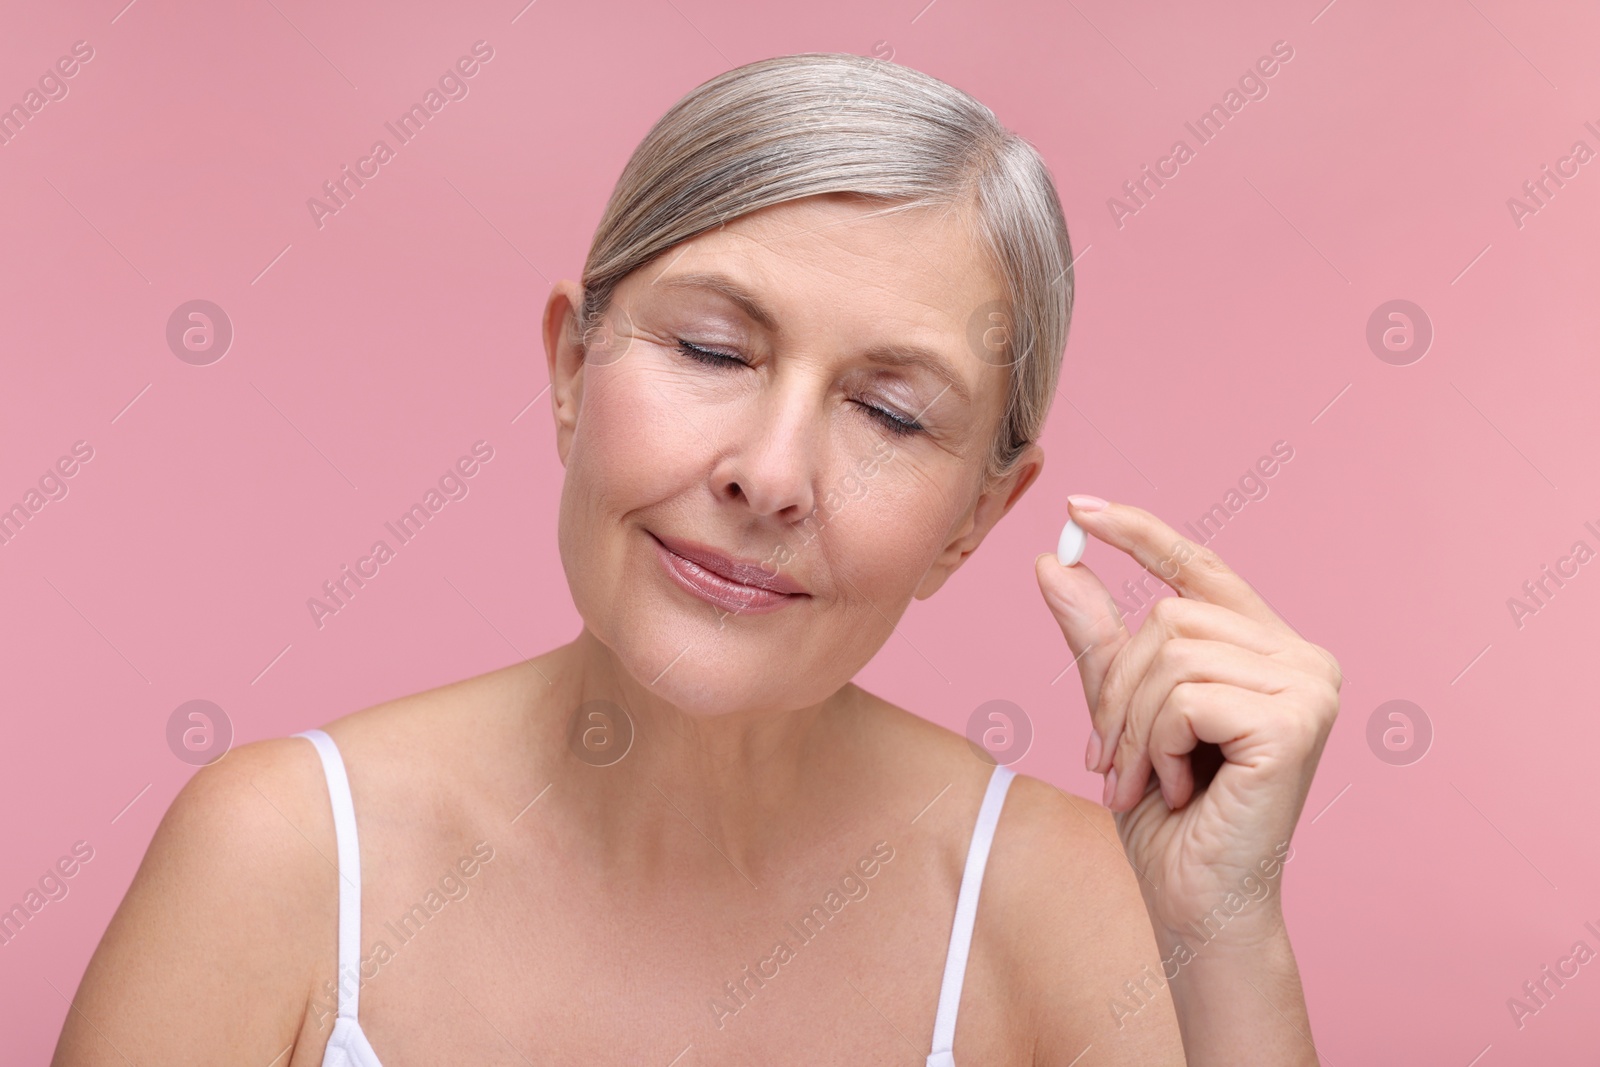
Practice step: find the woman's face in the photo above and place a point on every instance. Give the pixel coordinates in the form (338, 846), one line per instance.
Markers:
(752, 392)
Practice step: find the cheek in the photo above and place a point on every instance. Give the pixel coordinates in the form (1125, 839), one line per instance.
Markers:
(630, 451)
(888, 528)
(631, 445)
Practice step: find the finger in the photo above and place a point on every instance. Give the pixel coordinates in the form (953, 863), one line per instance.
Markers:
(1195, 712)
(1180, 660)
(1190, 569)
(1089, 620)
(1170, 617)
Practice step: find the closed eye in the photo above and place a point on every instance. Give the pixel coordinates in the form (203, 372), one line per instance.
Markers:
(892, 421)
(895, 424)
(705, 355)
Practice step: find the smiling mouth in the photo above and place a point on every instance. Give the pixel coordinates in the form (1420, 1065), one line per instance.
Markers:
(703, 577)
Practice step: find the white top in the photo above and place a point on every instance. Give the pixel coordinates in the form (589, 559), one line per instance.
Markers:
(348, 1047)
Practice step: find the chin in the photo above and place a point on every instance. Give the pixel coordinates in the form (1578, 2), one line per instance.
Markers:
(708, 679)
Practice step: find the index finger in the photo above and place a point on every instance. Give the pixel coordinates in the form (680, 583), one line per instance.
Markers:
(1191, 570)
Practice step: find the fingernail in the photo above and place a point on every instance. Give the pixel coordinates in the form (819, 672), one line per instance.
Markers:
(1111, 787)
(1092, 755)
(1085, 502)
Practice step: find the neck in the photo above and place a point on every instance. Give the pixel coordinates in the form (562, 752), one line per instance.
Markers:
(739, 786)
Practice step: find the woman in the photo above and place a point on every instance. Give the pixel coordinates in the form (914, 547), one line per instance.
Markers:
(805, 373)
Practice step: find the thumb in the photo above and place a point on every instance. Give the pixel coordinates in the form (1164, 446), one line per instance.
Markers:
(1089, 620)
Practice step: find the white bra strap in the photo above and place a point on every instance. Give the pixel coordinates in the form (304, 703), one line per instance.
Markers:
(344, 828)
(955, 964)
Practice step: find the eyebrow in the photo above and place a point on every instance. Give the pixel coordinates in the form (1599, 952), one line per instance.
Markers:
(892, 354)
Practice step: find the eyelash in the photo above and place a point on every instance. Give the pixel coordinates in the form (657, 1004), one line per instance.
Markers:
(896, 425)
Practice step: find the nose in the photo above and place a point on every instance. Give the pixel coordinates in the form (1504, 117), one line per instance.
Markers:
(774, 455)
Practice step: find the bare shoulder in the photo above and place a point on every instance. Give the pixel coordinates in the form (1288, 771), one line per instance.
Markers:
(210, 951)
(438, 731)
(1067, 907)
(1061, 915)
(224, 934)
(247, 828)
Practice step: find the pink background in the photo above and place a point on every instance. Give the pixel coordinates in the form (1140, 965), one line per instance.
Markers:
(1229, 313)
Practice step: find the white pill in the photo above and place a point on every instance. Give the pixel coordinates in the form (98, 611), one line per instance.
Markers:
(1073, 540)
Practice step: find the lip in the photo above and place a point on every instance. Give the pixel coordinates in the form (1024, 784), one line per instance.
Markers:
(745, 587)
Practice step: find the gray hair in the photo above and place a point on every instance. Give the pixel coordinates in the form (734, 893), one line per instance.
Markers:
(831, 122)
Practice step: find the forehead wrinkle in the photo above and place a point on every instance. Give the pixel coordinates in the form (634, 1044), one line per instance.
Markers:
(871, 261)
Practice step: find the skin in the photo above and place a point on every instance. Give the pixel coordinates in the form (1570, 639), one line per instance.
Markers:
(619, 899)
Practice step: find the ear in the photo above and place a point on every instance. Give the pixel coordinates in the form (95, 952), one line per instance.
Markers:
(563, 353)
(991, 505)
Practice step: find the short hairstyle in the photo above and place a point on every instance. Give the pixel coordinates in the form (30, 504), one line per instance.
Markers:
(813, 123)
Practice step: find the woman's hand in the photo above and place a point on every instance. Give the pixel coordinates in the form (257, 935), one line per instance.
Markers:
(1213, 665)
